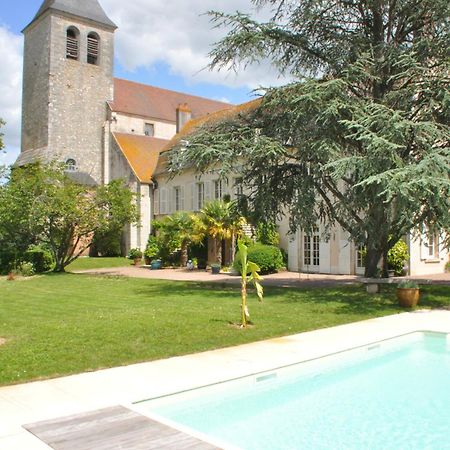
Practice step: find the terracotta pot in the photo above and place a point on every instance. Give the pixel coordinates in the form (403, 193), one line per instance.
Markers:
(408, 298)
(137, 261)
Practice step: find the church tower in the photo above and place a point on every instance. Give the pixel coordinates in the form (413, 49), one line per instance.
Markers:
(67, 81)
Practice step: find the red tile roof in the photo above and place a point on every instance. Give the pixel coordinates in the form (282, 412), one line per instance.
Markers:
(156, 103)
(194, 124)
(141, 152)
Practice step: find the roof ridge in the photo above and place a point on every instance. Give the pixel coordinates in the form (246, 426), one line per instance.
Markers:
(176, 92)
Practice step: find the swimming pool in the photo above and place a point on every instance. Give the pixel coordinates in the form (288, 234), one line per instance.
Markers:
(394, 394)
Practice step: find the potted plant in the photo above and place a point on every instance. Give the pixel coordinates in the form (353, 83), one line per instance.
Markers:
(408, 293)
(151, 251)
(156, 264)
(215, 268)
(136, 255)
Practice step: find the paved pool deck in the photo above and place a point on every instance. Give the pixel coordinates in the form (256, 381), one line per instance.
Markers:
(124, 386)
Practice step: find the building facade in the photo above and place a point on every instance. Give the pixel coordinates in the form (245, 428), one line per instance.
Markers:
(103, 128)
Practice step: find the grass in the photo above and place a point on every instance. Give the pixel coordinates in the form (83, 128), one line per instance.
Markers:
(62, 324)
(97, 263)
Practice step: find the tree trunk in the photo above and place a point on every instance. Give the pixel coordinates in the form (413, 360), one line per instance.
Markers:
(184, 253)
(59, 266)
(372, 259)
(218, 245)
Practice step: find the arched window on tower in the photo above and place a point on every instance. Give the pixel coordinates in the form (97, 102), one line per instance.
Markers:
(72, 43)
(93, 48)
(71, 165)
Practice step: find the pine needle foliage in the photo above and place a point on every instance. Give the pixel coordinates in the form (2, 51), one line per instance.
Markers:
(360, 138)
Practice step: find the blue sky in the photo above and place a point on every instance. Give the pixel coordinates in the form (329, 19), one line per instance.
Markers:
(16, 14)
(159, 42)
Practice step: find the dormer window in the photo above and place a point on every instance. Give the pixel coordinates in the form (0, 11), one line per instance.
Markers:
(71, 165)
(72, 43)
(149, 129)
(93, 48)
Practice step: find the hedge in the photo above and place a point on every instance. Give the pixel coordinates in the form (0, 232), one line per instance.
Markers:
(268, 257)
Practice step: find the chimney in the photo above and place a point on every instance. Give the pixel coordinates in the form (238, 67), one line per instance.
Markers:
(184, 115)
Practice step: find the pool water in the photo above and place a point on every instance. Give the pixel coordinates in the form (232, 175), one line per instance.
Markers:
(392, 395)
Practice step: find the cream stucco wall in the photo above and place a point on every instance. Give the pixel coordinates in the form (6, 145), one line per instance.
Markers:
(420, 263)
(126, 123)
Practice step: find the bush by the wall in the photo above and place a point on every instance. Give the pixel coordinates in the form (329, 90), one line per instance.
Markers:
(268, 257)
(267, 233)
(397, 257)
(107, 243)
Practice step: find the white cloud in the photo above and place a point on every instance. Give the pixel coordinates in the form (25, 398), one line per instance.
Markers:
(10, 92)
(178, 33)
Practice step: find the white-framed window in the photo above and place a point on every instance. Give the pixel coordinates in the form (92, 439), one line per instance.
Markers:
(311, 249)
(430, 244)
(72, 43)
(149, 129)
(71, 165)
(361, 252)
(178, 198)
(163, 201)
(218, 189)
(93, 48)
(238, 188)
(200, 195)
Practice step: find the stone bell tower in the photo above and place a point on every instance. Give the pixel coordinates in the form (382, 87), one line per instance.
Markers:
(67, 81)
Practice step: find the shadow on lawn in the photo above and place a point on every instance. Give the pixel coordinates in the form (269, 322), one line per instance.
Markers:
(345, 299)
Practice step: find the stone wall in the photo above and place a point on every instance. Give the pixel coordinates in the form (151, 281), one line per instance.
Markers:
(78, 95)
(35, 99)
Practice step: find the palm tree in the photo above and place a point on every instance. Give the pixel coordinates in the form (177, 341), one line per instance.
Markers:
(184, 228)
(222, 221)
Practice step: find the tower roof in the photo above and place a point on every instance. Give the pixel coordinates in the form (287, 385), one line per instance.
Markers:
(86, 9)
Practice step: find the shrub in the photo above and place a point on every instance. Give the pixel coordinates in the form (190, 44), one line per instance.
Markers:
(267, 233)
(40, 258)
(26, 269)
(152, 249)
(107, 243)
(268, 257)
(397, 257)
(135, 253)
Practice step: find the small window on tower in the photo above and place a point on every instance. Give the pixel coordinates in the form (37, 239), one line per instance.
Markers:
(149, 129)
(71, 165)
(93, 48)
(72, 43)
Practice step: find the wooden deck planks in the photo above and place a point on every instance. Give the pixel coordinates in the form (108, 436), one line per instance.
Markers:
(115, 428)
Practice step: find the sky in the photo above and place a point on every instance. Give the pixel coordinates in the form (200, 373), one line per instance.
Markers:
(163, 43)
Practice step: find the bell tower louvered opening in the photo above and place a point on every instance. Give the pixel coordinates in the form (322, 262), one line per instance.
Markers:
(93, 48)
(72, 43)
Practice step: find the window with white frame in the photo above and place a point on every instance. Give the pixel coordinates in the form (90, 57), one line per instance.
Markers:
(361, 252)
(430, 244)
(149, 129)
(178, 198)
(311, 249)
(200, 195)
(218, 189)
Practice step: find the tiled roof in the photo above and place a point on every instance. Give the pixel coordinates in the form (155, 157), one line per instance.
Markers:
(86, 9)
(157, 103)
(193, 124)
(141, 152)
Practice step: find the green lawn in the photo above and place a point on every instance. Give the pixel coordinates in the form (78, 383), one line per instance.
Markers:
(62, 324)
(97, 263)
